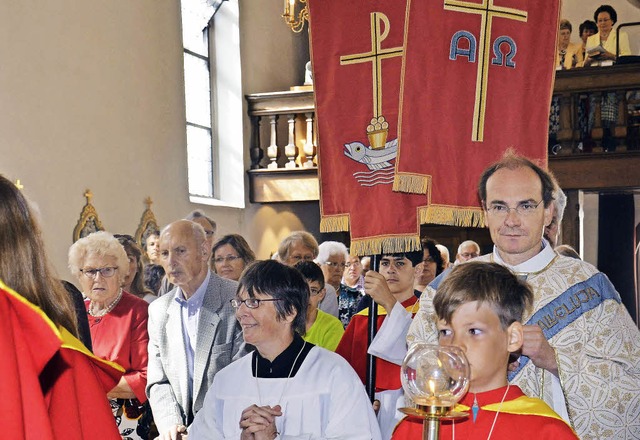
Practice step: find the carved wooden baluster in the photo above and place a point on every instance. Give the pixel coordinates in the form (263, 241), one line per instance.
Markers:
(290, 148)
(620, 130)
(565, 132)
(255, 152)
(272, 150)
(597, 131)
(308, 144)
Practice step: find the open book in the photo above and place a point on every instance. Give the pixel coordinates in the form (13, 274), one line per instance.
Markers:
(596, 51)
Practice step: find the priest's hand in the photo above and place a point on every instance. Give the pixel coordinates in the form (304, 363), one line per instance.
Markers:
(259, 422)
(537, 348)
(376, 287)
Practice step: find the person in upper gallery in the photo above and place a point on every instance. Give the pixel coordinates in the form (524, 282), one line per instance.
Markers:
(193, 332)
(467, 250)
(587, 28)
(552, 230)
(602, 46)
(601, 51)
(299, 246)
(479, 309)
(581, 351)
(231, 254)
(568, 54)
(42, 360)
(392, 290)
(151, 247)
(118, 323)
(321, 329)
(431, 266)
(134, 280)
(287, 388)
(351, 289)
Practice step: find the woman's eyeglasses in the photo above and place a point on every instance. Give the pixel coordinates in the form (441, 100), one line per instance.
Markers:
(106, 272)
(252, 303)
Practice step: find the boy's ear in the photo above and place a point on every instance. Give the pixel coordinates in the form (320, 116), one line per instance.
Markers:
(515, 334)
(322, 293)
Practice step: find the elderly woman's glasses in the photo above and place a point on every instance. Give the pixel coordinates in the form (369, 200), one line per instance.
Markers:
(252, 303)
(106, 272)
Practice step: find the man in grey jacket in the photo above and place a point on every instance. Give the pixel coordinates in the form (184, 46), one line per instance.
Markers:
(193, 331)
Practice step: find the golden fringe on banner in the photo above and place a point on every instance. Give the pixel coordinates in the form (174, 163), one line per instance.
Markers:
(411, 183)
(385, 245)
(452, 215)
(335, 223)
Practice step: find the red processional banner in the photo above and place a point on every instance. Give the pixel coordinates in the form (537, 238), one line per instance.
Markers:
(477, 80)
(414, 98)
(357, 51)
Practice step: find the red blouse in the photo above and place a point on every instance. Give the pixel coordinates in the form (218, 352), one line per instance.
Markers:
(121, 336)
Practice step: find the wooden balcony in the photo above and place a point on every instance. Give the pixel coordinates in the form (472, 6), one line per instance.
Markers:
(601, 155)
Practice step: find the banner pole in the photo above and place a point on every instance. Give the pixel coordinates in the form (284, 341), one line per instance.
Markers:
(371, 333)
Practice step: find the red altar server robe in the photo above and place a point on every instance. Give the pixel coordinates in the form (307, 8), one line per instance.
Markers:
(517, 417)
(353, 347)
(52, 387)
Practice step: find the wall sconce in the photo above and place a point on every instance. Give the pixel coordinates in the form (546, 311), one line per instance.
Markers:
(295, 21)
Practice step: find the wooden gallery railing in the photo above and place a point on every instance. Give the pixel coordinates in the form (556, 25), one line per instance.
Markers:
(599, 110)
(282, 147)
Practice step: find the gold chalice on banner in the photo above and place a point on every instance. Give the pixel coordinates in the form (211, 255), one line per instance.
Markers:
(435, 378)
(377, 132)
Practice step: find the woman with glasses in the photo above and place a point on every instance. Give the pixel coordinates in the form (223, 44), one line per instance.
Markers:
(332, 258)
(601, 50)
(231, 254)
(602, 46)
(118, 323)
(287, 387)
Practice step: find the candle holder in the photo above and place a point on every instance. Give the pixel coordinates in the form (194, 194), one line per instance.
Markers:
(435, 378)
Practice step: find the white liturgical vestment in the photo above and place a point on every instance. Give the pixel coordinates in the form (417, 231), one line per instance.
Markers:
(323, 400)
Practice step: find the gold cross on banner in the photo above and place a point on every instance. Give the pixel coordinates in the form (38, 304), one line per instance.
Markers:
(375, 57)
(487, 11)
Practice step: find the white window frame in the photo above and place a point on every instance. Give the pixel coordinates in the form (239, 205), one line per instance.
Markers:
(228, 167)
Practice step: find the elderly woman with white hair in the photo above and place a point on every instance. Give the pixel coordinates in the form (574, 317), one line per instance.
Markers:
(332, 258)
(118, 324)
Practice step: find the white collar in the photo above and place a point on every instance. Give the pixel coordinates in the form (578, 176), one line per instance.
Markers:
(534, 264)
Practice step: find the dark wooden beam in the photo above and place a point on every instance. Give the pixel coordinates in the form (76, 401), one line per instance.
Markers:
(593, 172)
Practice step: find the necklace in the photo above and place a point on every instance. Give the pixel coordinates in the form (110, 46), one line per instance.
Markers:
(109, 308)
(286, 381)
(475, 408)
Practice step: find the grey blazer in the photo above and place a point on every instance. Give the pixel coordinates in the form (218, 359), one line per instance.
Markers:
(219, 343)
